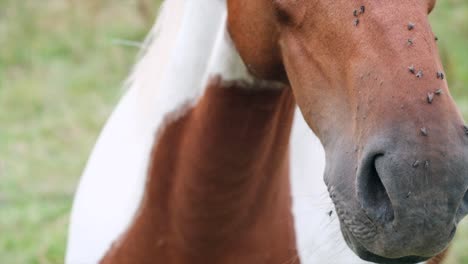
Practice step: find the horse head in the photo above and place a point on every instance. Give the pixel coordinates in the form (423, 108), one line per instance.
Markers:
(369, 82)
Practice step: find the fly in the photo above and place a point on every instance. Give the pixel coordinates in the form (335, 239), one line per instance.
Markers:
(440, 75)
(430, 97)
(356, 22)
(424, 131)
(420, 74)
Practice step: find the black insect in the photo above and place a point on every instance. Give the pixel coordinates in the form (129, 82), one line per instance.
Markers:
(356, 22)
(430, 97)
(410, 26)
(438, 92)
(363, 9)
(426, 164)
(411, 69)
(415, 164)
(424, 131)
(410, 42)
(355, 12)
(420, 74)
(436, 38)
(440, 75)
(330, 213)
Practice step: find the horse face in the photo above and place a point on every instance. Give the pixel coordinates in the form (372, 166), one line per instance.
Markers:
(369, 82)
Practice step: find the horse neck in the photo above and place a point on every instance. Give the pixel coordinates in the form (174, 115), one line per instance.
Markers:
(218, 181)
(217, 184)
(224, 164)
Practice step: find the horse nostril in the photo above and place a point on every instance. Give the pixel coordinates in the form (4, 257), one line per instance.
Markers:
(372, 192)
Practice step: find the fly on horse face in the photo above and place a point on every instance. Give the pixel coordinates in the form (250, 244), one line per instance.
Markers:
(206, 160)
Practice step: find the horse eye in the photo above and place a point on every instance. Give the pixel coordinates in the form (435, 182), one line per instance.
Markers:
(282, 15)
(281, 11)
(289, 12)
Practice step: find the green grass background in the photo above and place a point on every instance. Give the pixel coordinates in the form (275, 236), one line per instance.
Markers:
(62, 64)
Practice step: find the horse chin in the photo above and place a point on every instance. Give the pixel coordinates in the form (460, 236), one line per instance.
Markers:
(367, 255)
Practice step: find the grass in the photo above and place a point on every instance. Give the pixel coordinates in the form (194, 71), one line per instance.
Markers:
(450, 24)
(61, 69)
(60, 76)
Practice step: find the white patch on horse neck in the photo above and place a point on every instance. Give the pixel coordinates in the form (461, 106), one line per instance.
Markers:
(226, 62)
(169, 75)
(225, 59)
(184, 48)
(318, 234)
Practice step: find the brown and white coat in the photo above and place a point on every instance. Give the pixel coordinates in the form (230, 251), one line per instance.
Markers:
(193, 109)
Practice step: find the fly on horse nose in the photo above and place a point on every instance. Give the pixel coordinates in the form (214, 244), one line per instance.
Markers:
(278, 131)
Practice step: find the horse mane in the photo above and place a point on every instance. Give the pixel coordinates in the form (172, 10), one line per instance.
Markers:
(168, 75)
(175, 55)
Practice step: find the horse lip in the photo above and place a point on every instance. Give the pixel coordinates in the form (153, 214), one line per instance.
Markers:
(367, 255)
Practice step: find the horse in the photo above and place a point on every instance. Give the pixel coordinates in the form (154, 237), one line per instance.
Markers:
(278, 131)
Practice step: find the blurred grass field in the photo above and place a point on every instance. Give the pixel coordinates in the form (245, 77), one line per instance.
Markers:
(62, 64)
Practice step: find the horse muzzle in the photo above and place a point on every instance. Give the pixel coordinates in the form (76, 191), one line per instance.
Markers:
(405, 202)
(414, 198)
